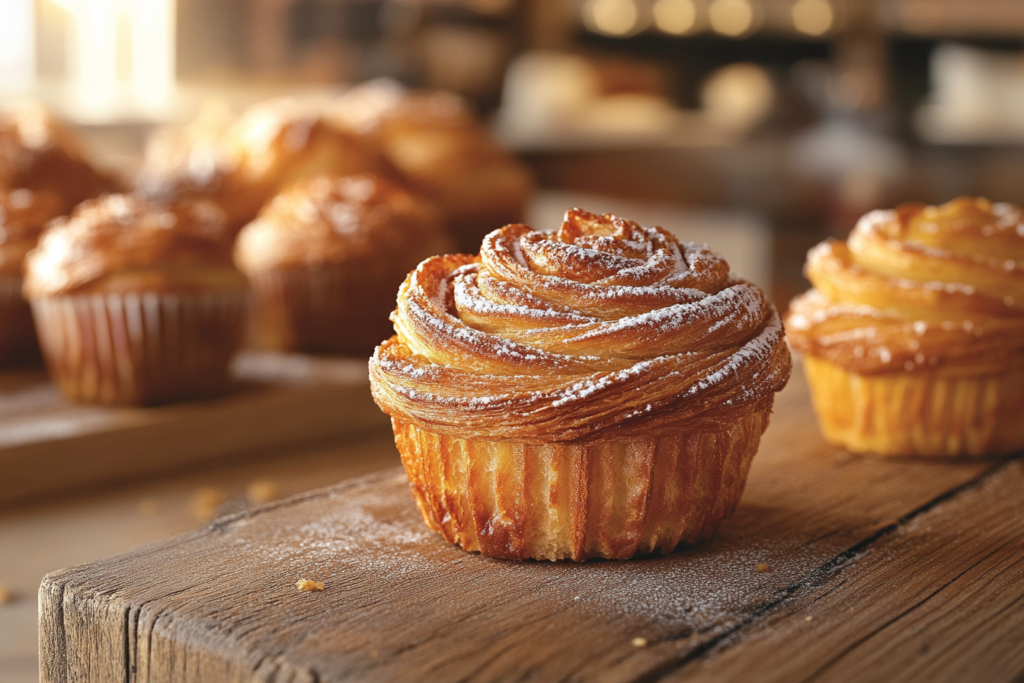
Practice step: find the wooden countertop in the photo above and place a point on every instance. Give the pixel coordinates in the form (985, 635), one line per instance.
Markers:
(38, 537)
(835, 568)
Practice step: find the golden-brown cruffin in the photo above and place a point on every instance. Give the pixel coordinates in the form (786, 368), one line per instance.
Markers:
(37, 153)
(326, 257)
(913, 335)
(443, 151)
(597, 391)
(240, 164)
(135, 302)
(22, 216)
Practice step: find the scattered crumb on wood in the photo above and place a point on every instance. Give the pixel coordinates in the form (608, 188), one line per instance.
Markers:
(5, 594)
(762, 567)
(808, 618)
(263, 491)
(374, 654)
(639, 642)
(148, 507)
(309, 585)
(204, 503)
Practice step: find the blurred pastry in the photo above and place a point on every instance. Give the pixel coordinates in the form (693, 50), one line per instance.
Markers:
(240, 164)
(326, 257)
(37, 153)
(22, 216)
(137, 303)
(913, 336)
(443, 151)
(597, 391)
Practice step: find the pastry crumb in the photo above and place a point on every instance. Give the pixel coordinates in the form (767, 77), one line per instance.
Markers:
(263, 491)
(639, 642)
(5, 594)
(808, 618)
(148, 507)
(762, 567)
(204, 503)
(309, 585)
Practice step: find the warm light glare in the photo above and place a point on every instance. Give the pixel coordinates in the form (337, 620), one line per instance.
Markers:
(675, 16)
(731, 17)
(152, 23)
(93, 49)
(17, 44)
(813, 17)
(612, 17)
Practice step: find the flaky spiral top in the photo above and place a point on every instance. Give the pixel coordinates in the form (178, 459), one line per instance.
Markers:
(331, 221)
(602, 327)
(125, 242)
(918, 288)
(23, 213)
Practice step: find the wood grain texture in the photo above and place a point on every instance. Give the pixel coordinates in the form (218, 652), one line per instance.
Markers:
(885, 556)
(280, 401)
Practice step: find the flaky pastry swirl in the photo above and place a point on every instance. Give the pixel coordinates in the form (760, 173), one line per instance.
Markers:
(603, 328)
(918, 287)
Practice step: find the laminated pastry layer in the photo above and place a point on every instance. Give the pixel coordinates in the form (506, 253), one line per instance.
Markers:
(918, 288)
(602, 327)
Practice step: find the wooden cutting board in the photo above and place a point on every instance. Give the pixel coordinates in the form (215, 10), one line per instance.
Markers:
(834, 568)
(278, 401)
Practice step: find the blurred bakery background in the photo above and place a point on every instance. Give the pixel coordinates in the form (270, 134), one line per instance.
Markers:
(784, 119)
(758, 126)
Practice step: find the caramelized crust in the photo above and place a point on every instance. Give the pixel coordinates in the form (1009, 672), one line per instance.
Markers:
(37, 153)
(123, 242)
(919, 288)
(22, 216)
(602, 329)
(336, 220)
(610, 498)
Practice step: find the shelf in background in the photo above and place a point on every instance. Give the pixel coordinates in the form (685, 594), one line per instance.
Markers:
(279, 402)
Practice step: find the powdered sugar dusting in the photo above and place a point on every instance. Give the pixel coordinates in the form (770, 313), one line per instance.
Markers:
(560, 323)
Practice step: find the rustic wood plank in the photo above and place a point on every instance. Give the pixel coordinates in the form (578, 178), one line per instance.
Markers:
(70, 529)
(220, 603)
(938, 596)
(279, 401)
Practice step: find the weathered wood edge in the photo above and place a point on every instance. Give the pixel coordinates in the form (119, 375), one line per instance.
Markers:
(53, 655)
(55, 587)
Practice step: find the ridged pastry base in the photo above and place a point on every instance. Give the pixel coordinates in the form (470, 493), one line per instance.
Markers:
(918, 413)
(322, 310)
(17, 333)
(611, 498)
(134, 349)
